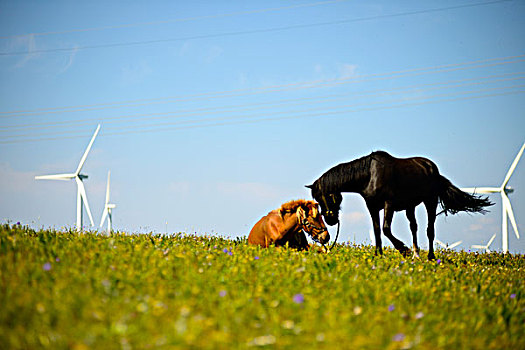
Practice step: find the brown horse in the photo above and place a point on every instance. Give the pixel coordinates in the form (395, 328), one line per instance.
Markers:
(286, 225)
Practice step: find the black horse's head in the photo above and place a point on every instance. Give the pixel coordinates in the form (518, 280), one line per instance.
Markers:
(330, 203)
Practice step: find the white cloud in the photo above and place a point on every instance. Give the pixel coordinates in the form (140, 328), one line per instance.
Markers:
(70, 60)
(481, 223)
(133, 74)
(231, 192)
(347, 71)
(22, 198)
(253, 190)
(213, 53)
(242, 80)
(24, 43)
(475, 227)
(354, 217)
(338, 71)
(184, 49)
(179, 187)
(13, 181)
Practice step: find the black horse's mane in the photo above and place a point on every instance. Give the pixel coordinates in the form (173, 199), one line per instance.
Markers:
(333, 179)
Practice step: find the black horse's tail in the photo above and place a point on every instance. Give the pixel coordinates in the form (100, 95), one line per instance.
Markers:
(454, 200)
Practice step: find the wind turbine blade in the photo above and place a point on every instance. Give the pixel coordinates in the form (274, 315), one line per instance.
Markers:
(104, 214)
(82, 191)
(513, 166)
(107, 189)
(490, 241)
(454, 245)
(477, 246)
(63, 177)
(440, 243)
(481, 189)
(469, 189)
(83, 159)
(508, 208)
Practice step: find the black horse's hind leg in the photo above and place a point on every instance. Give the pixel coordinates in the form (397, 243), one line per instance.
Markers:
(411, 216)
(389, 215)
(431, 206)
(374, 214)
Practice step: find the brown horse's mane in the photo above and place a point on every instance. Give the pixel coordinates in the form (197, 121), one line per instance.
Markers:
(291, 206)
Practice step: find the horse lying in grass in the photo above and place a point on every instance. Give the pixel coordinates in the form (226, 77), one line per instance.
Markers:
(287, 225)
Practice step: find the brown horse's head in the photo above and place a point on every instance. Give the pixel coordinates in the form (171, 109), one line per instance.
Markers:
(311, 221)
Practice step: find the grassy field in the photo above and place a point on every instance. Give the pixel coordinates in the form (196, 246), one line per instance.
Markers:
(69, 290)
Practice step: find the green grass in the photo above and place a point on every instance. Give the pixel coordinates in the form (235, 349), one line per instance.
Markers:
(61, 290)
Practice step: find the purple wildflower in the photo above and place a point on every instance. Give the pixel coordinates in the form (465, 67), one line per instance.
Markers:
(419, 315)
(57, 259)
(230, 253)
(225, 250)
(438, 261)
(398, 337)
(391, 307)
(222, 293)
(298, 298)
(256, 258)
(47, 266)
(513, 296)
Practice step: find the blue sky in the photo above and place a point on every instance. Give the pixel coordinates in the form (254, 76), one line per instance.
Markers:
(213, 113)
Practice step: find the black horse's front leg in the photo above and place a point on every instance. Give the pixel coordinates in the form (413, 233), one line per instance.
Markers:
(374, 214)
(411, 216)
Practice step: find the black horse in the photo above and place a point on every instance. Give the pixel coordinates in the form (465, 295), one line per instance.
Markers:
(393, 184)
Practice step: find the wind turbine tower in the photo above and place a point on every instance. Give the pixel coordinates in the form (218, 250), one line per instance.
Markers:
(503, 190)
(108, 207)
(78, 177)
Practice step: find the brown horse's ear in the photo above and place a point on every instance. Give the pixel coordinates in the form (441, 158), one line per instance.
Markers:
(314, 210)
(309, 186)
(301, 214)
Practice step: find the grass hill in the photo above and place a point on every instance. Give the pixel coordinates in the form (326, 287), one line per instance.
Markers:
(71, 290)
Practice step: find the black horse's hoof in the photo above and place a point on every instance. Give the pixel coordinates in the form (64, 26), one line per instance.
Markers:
(431, 257)
(405, 251)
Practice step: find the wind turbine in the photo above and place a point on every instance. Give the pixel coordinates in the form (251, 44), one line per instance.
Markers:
(81, 191)
(503, 190)
(486, 247)
(448, 246)
(108, 207)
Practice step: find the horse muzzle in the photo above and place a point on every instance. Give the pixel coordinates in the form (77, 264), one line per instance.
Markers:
(331, 220)
(323, 237)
